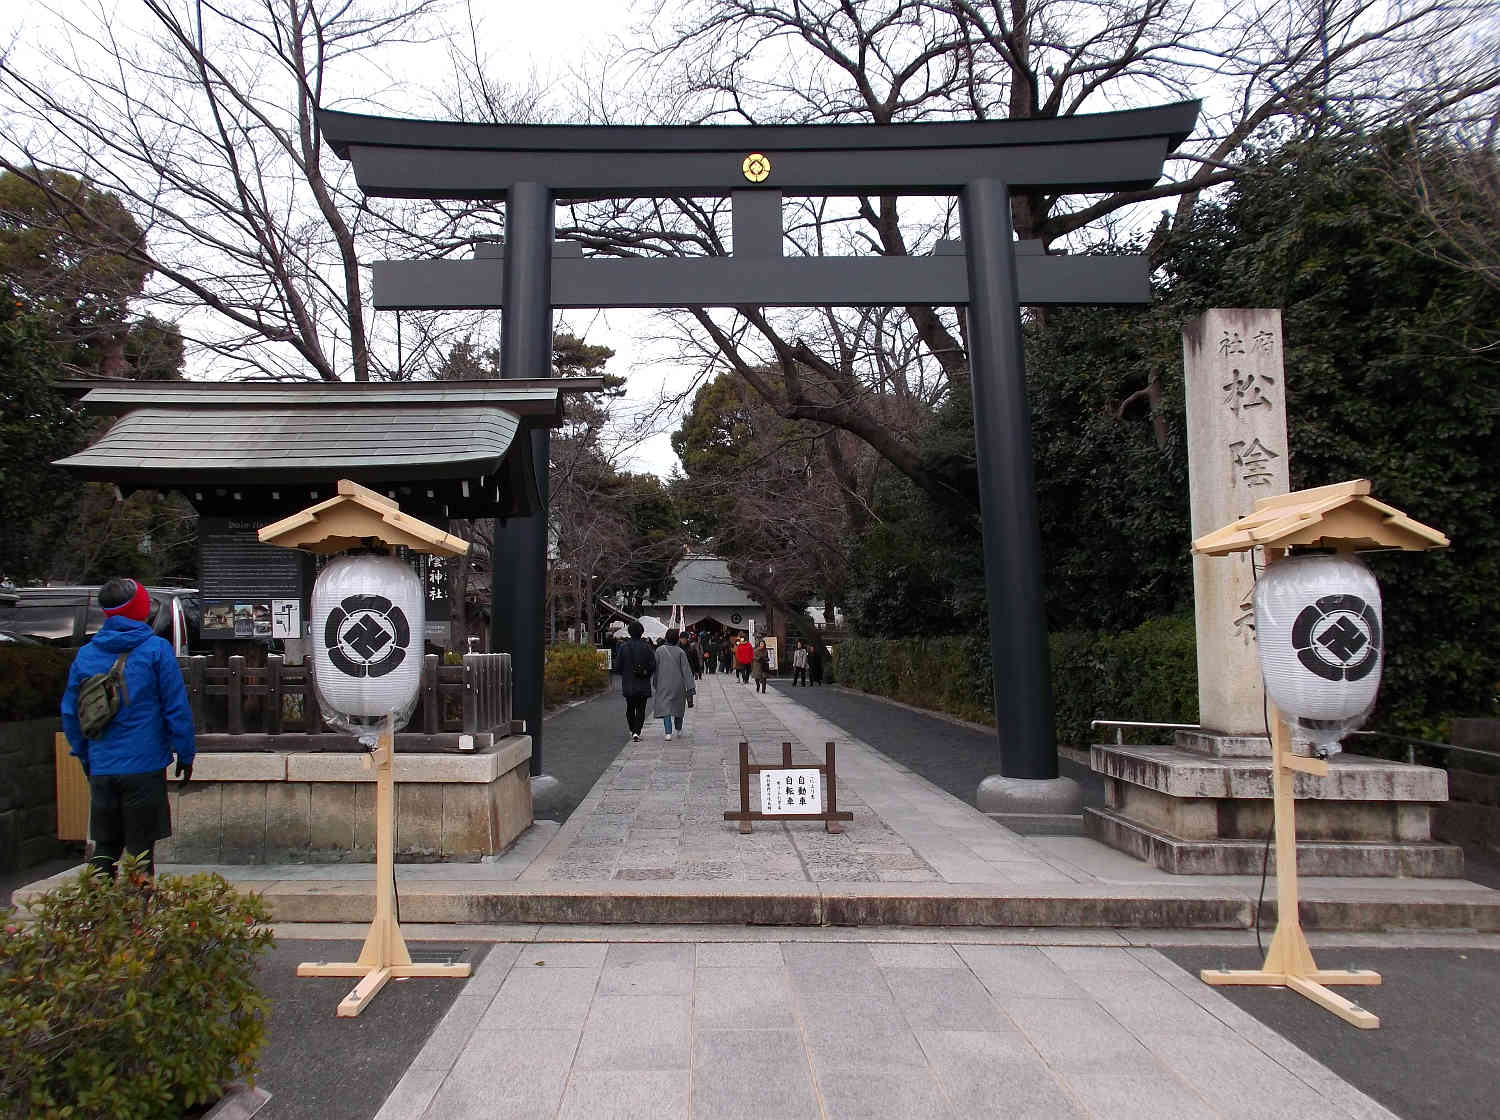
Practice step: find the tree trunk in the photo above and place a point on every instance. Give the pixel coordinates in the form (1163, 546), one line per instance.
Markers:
(458, 592)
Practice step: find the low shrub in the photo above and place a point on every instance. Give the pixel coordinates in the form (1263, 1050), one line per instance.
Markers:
(1149, 673)
(572, 670)
(32, 679)
(131, 998)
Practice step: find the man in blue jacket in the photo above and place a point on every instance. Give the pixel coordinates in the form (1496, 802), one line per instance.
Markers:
(126, 765)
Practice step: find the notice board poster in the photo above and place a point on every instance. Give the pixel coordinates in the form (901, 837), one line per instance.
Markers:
(791, 791)
(243, 582)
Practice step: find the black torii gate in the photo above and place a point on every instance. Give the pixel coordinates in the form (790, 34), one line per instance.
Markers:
(531, 167)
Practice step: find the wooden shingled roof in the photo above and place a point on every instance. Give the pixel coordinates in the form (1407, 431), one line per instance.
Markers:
(261, 450)
(1342, 517)
(163, 446)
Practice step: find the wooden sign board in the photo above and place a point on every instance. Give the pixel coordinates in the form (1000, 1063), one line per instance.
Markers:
(781, 802)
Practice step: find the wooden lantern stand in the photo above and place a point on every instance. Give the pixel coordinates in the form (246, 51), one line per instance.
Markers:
(384, 956)
(356, 515)
(1342, 517)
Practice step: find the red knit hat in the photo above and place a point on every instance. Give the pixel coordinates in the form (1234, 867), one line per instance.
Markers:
(113, 600)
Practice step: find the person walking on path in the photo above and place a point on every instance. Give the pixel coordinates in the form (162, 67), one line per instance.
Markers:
(694, 656)
(761, 666)
(799, 664)
(126, 760)
(726, 653)
(637, 662)
(744, 654)
(674, 683)
(815, 661)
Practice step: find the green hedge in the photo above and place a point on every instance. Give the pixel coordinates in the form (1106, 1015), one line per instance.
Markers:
(572, 670)
(946, 674)
(32, 679)
(1149, 673)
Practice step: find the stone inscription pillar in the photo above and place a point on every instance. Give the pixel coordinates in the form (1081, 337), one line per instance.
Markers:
(1237, 453)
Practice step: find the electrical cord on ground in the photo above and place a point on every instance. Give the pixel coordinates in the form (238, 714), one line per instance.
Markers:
(1265, 854)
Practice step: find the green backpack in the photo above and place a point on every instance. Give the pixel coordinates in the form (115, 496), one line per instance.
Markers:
(101, 696)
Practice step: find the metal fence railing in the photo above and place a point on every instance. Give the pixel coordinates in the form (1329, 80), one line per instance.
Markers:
(1121, 724)
(1412, 744)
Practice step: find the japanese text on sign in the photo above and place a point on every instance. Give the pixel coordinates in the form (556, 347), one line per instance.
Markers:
(1252, 462)
(790, 791)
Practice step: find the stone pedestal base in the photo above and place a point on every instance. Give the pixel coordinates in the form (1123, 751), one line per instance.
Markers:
(1034, 806)
(1217, 745)
(293, 807)
(1193, 813)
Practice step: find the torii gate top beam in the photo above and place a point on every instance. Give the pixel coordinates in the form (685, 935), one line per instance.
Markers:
(395, 158)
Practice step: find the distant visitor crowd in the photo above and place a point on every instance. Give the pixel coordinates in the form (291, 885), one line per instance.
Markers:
(667, 672)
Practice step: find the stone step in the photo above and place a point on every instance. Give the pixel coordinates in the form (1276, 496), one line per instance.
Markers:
(1078, 906)
(1405, 860)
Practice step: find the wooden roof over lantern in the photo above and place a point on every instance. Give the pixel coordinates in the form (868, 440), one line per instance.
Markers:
(356, 515)
(1342, 517)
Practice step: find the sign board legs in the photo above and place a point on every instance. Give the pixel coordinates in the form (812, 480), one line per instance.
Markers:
(1289, 961)
(384, 955)
(809, 809)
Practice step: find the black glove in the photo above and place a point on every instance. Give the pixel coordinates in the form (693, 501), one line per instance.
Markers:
(185, 773)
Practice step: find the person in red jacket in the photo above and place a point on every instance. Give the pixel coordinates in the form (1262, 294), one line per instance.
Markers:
(744, 656)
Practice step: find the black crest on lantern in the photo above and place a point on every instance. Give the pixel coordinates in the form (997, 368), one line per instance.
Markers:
(366, 636)
(1338, 638)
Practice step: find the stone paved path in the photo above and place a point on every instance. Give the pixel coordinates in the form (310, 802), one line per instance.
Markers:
(794, 1029)
(658, 811)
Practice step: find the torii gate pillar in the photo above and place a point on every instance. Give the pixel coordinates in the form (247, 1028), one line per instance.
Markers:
(1029, 786)
(518, 564)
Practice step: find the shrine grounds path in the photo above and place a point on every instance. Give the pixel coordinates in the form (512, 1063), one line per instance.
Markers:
(839, 1020)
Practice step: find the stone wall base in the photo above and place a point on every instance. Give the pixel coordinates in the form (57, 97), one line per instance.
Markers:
(287, 807)
(28, 794)
(1459, 822)
(1192, 813)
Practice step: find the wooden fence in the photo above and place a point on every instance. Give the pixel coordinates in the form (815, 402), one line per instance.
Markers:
(277, 698)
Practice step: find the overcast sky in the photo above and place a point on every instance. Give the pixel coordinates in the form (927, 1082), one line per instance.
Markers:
(528, 39)
(524, 42)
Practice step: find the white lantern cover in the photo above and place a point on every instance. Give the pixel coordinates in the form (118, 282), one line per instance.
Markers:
(1319, 633)
(369, 615)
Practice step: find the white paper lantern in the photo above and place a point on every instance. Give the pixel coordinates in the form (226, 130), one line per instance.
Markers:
(368, 619)
(1318, 628)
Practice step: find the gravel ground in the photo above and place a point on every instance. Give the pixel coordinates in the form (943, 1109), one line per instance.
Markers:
(951, 756)
(579, 742)
(1433, 1056)
(317, 1065)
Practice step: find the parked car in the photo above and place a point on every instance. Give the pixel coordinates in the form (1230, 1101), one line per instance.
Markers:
(70, 616)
